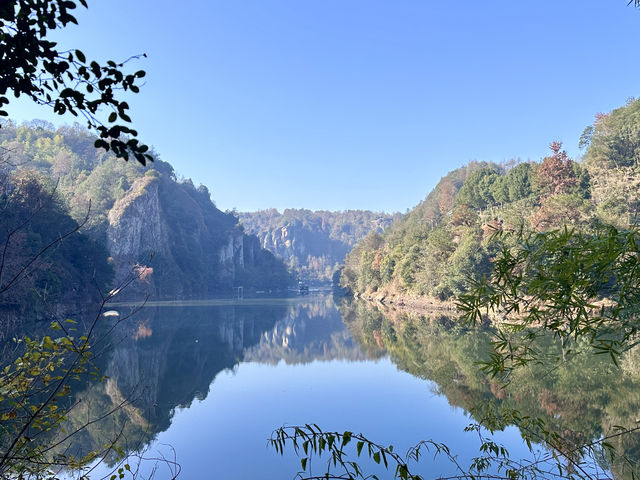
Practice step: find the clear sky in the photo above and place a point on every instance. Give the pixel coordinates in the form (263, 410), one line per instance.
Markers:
(340, 104)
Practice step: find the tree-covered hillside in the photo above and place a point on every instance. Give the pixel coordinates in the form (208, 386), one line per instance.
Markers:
(313, 243)
(44, 260)
(449, 238)
(142, 215)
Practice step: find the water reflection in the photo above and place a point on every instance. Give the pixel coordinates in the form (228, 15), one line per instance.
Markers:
(164, 358)
(168, 359)
(579, 400)
(308, 332)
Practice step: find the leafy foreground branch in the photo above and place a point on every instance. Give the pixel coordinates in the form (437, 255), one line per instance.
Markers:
(37, 395)
(345, 453)
(32, 65)
(309, 440)
(581, 288)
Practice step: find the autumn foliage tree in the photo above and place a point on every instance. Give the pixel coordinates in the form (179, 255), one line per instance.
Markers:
(555, 175)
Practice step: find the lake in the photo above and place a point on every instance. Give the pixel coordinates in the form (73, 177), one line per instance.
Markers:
(208, 382)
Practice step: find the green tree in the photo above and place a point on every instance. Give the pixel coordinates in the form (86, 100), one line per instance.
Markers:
(477, 189)
(614, 139)
(518, 182)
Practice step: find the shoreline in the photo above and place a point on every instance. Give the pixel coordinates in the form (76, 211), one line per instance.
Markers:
(414, 303)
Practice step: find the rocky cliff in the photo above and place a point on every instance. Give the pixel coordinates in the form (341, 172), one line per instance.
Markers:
(194, 249)
(312, 243)
(136, 223)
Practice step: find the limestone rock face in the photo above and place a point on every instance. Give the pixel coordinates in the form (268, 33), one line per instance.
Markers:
(232, 252)
(312, 244)
(230, 258)
(136, 223)
(286, 242)
(194, 249)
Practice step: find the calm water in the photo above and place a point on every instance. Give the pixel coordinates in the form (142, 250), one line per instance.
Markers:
(209, 383)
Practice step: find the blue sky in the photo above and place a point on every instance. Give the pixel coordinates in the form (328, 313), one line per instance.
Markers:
(340, 104)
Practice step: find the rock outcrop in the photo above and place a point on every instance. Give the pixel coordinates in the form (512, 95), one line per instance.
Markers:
(194, 249)
(312, 244)
(136, 223)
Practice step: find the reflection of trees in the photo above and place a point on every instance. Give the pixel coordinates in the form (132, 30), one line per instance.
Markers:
(580, 399)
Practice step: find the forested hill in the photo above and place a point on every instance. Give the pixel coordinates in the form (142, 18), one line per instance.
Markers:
(448, 238)
(142, 215)
(313, 243)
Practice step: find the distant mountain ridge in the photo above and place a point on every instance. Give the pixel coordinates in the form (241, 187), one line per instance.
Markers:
(313, 243)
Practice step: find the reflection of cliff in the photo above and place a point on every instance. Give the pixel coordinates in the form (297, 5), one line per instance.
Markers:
(580, 399)
(181, 351)
(164, 358)
(312, 331)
